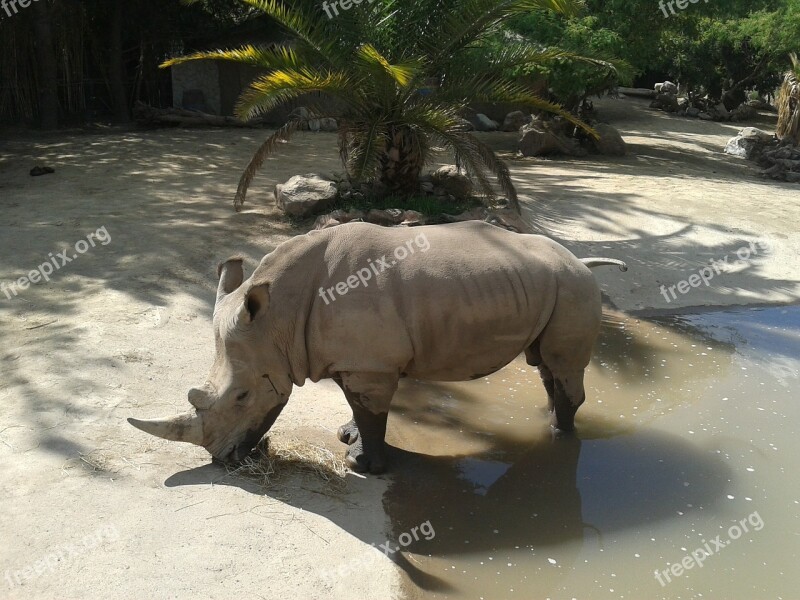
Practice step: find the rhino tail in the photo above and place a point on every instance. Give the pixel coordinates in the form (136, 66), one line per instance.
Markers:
(597, 262)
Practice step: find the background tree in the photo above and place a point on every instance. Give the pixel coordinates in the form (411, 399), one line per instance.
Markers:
(397, 77)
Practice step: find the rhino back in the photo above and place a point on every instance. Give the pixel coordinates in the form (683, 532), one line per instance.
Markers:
(458, 301)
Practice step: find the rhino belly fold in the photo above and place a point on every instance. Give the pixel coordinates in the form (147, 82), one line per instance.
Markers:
(465, 363)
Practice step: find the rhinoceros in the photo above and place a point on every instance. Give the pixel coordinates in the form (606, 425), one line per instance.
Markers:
(366, 306)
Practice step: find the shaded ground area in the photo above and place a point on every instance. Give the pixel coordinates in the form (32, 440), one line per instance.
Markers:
(123, 329)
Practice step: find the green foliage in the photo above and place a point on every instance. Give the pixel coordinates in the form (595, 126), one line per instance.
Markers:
(570, 81)
(727, 45)
(396, 76)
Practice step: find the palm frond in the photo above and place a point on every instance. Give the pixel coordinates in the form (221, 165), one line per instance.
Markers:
(279, 57)
(281, 135)
(282, 85)
(377, 64)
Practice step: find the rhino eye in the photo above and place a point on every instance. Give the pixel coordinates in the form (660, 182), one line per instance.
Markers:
(242, 396)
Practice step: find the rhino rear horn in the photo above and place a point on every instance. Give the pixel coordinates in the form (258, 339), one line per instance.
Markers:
(231, 275)
(186, 427)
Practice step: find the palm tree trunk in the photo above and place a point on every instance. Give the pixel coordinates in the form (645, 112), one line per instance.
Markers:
(789, 104)
(402, 161)
(48, 67)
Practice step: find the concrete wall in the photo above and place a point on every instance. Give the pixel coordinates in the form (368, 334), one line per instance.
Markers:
(197, 75)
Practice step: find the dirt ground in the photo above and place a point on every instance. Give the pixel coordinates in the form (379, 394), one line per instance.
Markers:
(93, 508)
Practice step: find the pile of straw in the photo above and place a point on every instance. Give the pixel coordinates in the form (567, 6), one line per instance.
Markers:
(277, 459)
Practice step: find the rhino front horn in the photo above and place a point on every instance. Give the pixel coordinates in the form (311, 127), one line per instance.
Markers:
(187, 427)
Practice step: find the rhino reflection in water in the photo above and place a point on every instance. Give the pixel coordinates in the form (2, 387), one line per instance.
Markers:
(465, 308)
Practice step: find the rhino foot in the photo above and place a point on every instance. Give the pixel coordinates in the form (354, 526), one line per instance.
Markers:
(362, 462)
(348, 433)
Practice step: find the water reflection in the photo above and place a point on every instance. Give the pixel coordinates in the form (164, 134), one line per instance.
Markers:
(658, 459)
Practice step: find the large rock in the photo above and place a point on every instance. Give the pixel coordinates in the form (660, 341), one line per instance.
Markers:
(538, 138)
(305, 195)
(666, 88)
(301, 112)
(324, 124)
(667, 102)
(610, 142)
(388, 217)
(452, 181)
(515, 120)
(754, 133)
(743, 112)
(483, 123)
(741, 147)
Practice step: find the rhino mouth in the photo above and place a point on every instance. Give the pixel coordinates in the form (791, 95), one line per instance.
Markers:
(248, 446)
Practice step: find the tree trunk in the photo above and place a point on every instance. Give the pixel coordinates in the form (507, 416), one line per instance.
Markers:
(116, 69)
(48, 67)
(401, 163)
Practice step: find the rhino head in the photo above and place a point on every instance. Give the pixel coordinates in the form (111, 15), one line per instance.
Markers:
(247, 387)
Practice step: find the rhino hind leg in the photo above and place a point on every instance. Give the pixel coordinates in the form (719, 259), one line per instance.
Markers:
(549, 385)
(533, 357)
(569, 395)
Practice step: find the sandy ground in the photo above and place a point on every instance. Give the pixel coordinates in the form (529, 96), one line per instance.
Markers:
(123, 330)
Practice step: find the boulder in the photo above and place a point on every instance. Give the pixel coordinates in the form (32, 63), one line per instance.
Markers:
(483, 123)
(667, 102)
(741, 146)
(301, 112)
(610, 142)
(515, 120)
(412, 218)
(666, 88)
(692, 112)
(305, 195)
(705, 116)
(328, 124)
(452, 181)
(743, 112)
(538, 138)
(390, 216)
(754, 133)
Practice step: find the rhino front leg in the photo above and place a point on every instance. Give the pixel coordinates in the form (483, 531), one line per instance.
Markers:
(369, 395)
(348, 433)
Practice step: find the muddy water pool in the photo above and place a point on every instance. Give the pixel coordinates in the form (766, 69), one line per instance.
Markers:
(686, 446)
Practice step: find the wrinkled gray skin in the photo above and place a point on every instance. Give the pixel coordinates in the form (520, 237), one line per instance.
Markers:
(462, 305)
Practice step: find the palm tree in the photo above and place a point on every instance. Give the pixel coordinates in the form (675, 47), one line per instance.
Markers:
(396, 75)
(789, 103)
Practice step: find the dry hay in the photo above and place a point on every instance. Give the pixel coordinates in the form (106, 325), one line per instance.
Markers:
(277, 459)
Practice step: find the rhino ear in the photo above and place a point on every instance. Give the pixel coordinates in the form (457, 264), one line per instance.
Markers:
(201, 398)
(256, 300)
(231, 275)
